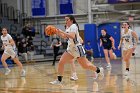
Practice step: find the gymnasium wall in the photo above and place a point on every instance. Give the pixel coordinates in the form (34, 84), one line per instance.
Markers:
(90, 34)
(51, 6)
(11, 3)
(80, 6)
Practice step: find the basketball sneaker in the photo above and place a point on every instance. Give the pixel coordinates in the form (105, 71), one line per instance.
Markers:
(74, 77)
(23, 73)
(109, 67)
(56, 82)
(99, 75)
(7, 71)
(127, 73)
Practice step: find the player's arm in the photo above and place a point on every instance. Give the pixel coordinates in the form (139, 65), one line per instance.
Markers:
(65, 35)
(101, 43)
(11, 42)
(120, 44)
(113, 42)
(135, 36)
(61, 34)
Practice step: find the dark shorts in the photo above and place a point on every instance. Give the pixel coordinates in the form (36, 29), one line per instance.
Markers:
(107, 47)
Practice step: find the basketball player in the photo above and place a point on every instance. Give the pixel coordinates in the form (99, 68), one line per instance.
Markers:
(74, 50)
(56, 43)
(9, 51)
(128, 46)
(107, 42)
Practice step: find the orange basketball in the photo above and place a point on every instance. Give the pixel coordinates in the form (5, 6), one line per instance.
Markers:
(50, 30)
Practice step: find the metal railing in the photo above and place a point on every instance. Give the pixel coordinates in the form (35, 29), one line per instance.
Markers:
(12, 14)
(43, 46)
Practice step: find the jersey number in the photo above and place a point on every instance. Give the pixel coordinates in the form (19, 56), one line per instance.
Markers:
(127, 40)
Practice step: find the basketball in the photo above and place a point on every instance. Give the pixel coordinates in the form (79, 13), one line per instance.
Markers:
(50, 30)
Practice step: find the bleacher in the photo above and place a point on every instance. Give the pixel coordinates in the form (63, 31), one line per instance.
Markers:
(12, 20)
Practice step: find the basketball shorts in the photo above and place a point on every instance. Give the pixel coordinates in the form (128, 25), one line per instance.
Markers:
(76, 51)
(10, 52)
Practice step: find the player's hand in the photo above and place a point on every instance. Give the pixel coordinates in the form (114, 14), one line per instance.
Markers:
(113, 48)
(119, 47)
(58, 31)
(4, 45)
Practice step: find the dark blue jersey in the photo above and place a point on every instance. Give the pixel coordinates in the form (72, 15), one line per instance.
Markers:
(106, 40)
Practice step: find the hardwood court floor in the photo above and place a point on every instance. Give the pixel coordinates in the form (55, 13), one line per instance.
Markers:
(40, 74)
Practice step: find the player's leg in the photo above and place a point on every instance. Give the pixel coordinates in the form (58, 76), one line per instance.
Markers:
(3, 60)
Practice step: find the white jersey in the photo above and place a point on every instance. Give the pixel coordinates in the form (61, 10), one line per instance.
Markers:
(74, 47)
(6, 40)
(76, 40)
(127, 39)
(9, 49)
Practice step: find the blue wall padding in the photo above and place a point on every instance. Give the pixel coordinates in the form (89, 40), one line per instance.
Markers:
(90, 35)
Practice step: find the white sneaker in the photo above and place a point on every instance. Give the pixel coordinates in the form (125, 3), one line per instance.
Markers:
(127, 73)
(7, 71)
(101, 74)
(23, 73)
(95, 75)
(74, 78)
(56, 82)
(108, 66)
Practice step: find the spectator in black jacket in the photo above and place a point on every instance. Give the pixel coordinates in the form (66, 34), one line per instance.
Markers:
(22, 49)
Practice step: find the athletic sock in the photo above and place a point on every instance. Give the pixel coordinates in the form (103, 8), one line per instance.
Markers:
(127, 69)
(98, 70)
(109, 64)
(59, 78)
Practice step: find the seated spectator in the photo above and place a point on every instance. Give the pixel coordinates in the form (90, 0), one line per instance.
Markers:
(89, 51)
(22, 50)
(30, 49)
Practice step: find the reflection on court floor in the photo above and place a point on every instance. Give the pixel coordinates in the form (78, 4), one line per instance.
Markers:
(40, 74)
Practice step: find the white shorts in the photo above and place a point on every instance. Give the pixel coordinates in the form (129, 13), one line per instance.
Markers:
(11, 52)
(127, 47)
(77, 51)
